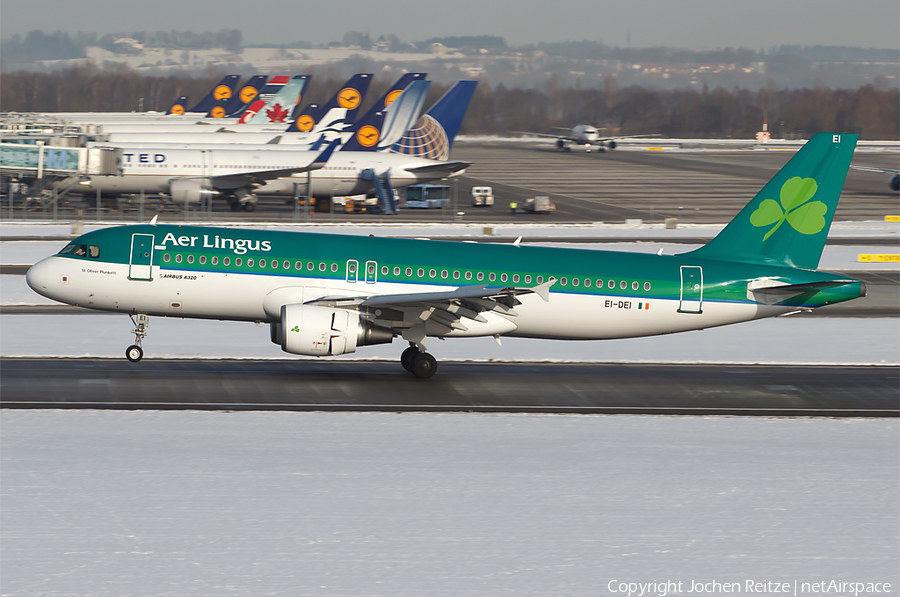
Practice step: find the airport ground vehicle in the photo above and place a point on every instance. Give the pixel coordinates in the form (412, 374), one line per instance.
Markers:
(482, 196)
(427, 196)
(539, 205)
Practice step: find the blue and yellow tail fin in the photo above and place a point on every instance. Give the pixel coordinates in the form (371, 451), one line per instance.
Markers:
(224, 90)
(788, 220)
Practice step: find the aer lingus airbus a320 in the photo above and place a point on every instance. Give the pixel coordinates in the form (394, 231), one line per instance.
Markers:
(325, 294)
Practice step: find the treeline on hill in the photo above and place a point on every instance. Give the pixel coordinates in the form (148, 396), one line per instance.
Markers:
(37, 45)
(707, 113)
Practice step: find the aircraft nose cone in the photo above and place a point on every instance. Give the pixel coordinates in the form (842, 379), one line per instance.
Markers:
(38, 277)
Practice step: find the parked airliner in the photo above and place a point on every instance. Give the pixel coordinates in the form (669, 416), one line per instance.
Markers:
(326, 294)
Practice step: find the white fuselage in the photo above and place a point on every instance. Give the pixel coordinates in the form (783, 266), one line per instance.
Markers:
(259, 296)
(152, 169)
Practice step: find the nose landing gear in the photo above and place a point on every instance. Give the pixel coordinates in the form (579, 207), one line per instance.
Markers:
(420, 364)
(135, 353)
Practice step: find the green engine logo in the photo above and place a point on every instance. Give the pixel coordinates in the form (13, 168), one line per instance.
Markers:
(296, 328)
(804, 216)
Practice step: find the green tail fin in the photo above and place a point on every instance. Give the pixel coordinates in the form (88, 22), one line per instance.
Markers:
(788, 220)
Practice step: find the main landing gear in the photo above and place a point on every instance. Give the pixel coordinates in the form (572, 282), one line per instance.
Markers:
(135, 353)
(420, 364)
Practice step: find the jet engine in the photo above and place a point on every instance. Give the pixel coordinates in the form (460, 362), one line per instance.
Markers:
(190, 190)
(895, 182)
(322, 331)
(611, 144)
(560, 144)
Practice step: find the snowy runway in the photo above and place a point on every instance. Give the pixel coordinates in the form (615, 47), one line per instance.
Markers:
(189, 503)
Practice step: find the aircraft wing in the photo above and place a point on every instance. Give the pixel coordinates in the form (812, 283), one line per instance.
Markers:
(628, 137)
(546, 136)
(449, 167)
(261, 176)
(449, 309)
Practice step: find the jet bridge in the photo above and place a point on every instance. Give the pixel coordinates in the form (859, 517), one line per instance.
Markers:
(46, 169)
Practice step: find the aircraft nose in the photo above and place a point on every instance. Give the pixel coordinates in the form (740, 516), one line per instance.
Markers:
(38, 277)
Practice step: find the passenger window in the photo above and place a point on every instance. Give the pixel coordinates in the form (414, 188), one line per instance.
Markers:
(409, 271)
(203, 260)
(432, 273)
(444, 274)
(384, 270)
(634, 285)
(262, 263)
(420, 272)
(250, 262)
(480, 276)
(396, 271)
(528, 278)
(310, 266)
(190, 259)
(612, 284)
(492, 276)
(215, 260)
(504, 277)
(322, 267)
(238, 261)
(334, 267)
(456, 275)
(178, 259)
(540, 279)
(167, 258)
(574, 281)
(226, 261)
(564, 281)
(298, 265)
(623, 284)
(646, 285)
(286, 264)
(515, 277)
(599, 283)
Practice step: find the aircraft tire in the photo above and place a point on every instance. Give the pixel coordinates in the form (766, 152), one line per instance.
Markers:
(406, 357)
(134, 353)
(248, 207)
(423, 365)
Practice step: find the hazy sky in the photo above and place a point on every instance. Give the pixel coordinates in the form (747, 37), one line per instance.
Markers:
(678, 23)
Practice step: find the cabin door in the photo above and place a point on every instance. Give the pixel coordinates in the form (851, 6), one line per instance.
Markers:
(141, 264)
(691, 289)
(371, 272)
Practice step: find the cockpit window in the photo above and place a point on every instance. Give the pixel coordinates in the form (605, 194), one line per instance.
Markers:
(92, 251)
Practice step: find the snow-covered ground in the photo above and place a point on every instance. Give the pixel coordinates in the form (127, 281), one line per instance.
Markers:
(109, 503)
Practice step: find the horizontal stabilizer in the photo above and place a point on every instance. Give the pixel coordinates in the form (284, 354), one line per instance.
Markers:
(770, 292)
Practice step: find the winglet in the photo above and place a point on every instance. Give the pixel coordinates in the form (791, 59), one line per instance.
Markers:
(325, 155)
(153, 221)
(274, 140)
(517, 241)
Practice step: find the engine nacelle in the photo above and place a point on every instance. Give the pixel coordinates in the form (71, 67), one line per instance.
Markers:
(895, 182)
(611, 144)
(321, 331)
(560, 144)
(190, 190)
